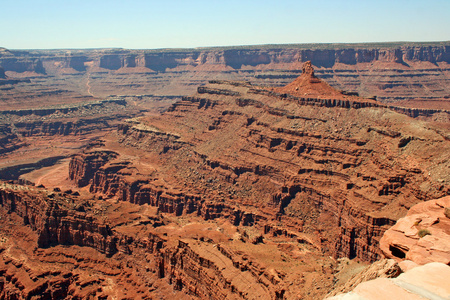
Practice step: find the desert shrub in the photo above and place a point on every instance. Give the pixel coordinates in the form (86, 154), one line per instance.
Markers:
(447, 212)
(423, 232)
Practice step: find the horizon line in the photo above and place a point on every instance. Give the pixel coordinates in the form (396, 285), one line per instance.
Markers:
(296, 45)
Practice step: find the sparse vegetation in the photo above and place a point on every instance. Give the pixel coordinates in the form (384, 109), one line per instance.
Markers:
(447, 212)
(423, 232)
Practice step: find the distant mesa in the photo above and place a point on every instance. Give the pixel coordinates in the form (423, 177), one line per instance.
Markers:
(2, 73)
(5, 52)
(344, 66)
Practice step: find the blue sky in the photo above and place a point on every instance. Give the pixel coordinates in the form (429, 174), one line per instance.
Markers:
(139, 24)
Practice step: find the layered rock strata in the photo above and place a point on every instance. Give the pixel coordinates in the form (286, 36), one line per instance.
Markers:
(74, 119)
(238, 191)
(9, 141)
(52, 225)
(253, 56)
(355, 168)
(146, 255)
(392, 71)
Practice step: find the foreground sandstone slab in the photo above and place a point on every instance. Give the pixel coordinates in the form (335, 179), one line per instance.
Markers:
(429, 281)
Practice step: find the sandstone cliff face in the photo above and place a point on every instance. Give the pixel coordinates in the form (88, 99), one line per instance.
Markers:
(60, 219)
(424, 282)
(18, 64)
(190, 263)
(203, 268)
(82, 170)
(112, 179)
(397, 71)
(418, 244)
(117, 61)
(77, 119)
(9, 141)
(430, 54)
(418, 112)
(422, 236)
(54, 224)
(236, 59)
(55, 64)
(77, 127)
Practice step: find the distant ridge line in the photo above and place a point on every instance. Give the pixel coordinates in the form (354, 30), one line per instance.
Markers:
(312, 46)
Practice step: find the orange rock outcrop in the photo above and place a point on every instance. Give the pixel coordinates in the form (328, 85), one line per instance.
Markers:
(422, 236)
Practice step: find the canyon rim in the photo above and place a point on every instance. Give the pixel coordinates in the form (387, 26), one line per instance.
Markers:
(259, 172)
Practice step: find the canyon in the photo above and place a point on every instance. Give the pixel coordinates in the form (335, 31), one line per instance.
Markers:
(269, 172)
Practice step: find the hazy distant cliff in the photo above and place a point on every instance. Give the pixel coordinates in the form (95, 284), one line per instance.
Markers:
(343, 65)
(326, 56)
